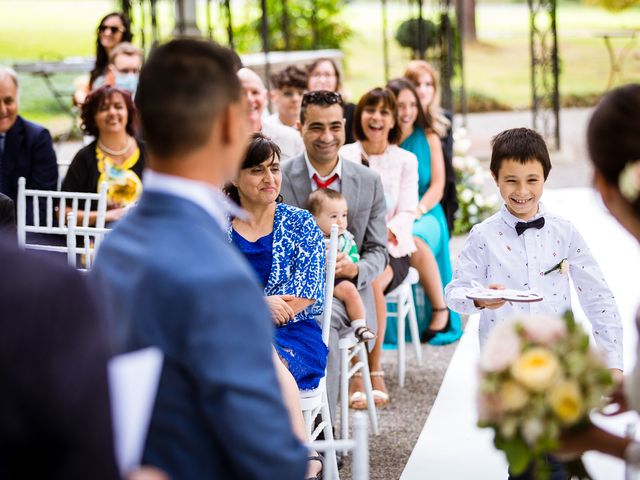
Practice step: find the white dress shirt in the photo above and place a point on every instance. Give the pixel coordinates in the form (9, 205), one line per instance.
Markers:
(335, 185)
(287, 138)
(495, 253)
(208, 197)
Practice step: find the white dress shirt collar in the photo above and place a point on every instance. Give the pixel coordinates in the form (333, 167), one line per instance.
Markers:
(206, 196)
(511, 220)
(312, 171)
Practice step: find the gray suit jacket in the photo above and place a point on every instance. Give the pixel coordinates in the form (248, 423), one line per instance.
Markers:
(363, 191)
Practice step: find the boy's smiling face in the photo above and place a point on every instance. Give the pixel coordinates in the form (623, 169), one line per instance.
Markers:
(521, 186)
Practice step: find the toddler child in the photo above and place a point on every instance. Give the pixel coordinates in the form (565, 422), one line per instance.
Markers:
(329, 207)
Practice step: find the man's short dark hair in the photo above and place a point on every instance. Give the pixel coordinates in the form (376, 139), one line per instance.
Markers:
(321, 98)
(291, 76)
(520, 144)
(183, 88)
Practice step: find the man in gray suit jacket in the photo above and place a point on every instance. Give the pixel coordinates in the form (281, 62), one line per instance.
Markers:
(174, 281)
(322, 129)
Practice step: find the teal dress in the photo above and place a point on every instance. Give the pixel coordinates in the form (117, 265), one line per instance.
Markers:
(433, 229)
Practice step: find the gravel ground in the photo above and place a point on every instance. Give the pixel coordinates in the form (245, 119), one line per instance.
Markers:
(402, 420)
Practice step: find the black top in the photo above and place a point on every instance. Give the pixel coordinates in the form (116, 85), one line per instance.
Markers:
(349, 112)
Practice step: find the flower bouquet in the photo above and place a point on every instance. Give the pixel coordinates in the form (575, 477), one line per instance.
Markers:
(539, 377)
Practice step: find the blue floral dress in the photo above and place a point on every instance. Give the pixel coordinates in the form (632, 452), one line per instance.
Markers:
(298, 269)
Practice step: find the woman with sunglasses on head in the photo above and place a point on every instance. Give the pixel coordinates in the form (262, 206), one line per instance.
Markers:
(430, 230)
(425, 80)
(323, 74)
(114, 29)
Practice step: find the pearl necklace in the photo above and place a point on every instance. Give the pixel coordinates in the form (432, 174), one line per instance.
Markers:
(116, 152)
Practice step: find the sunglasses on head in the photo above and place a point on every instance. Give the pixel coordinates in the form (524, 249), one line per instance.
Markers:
(113, 30)
(323, 97)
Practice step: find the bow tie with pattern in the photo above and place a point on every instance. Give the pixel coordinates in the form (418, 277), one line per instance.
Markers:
(522, 226)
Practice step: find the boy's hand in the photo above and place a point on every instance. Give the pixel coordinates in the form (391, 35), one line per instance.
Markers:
(491, 304)
(345, 268)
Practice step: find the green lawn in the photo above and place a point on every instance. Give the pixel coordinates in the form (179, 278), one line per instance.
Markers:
(498, 65)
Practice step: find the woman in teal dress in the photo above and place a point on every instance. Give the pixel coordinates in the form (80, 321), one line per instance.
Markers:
(430, 229)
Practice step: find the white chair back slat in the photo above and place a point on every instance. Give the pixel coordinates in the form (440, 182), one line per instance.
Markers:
(74, 204)
(71, 240)
(22, 212)
(332, 253)
(62, 208)
(49, 218)
(102, 206)
(87, 213)
(36, 210)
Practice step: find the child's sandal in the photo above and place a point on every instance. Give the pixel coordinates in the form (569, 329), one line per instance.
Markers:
(363, 334)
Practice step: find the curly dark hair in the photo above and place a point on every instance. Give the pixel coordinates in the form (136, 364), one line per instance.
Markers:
(93, 102)
(102, 57)
(291, 76)
(260, 149)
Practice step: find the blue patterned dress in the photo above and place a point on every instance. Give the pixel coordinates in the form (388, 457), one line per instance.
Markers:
(298, 269)
(432, 228)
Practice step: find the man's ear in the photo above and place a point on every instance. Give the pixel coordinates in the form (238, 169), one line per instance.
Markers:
(495, 178)
(231, 126)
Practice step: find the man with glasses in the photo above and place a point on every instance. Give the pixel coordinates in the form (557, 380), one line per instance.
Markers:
(125, 62)
(286, 138)
(319, 166)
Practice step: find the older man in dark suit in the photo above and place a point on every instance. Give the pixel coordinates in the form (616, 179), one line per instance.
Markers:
(320, 166)
(26, 149)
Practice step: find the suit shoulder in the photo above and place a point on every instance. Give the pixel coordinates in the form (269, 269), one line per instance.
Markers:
(34, 129)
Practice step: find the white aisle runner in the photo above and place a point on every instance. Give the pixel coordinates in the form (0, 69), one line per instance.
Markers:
(450, 446)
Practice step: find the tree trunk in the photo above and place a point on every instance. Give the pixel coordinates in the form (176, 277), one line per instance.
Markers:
(466, 11)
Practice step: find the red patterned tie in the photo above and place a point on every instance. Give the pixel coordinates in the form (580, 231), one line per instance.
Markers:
(322, 184)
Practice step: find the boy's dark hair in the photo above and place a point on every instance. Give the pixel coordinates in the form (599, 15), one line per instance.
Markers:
(314, 203)
(321, 98)
(373, 98)
(292, 76)
(260, 149)
(520, 144)
(183, 88)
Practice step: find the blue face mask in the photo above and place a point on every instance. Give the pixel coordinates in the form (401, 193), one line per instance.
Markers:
(127, 81)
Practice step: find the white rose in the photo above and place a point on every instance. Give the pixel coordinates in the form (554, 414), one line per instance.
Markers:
(532, 429)
(458, 162)
(466, 195)
(478, 200)
(472, 209)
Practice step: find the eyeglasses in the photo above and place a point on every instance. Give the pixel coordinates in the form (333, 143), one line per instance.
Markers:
(321, 97)
(113, 30)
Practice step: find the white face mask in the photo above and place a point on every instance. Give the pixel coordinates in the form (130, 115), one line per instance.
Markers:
(127, 82)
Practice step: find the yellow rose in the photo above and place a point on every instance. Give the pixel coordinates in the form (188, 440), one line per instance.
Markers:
(536, 369)
(566, 402)
(513, 397)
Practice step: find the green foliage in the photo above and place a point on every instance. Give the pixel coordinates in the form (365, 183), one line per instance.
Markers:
(516, 451)
(295, 25)
(407, 34)
(614, 5)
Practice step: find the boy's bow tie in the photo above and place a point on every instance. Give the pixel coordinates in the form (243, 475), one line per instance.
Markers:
(522, 226)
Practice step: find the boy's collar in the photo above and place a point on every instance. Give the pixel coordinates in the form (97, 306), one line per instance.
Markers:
(511, 220)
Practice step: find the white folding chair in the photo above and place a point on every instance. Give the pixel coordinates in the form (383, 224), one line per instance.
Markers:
(315, 402)
(92, 238)
(402, 297)
(350, 349)
(359, 445)
(60, 201)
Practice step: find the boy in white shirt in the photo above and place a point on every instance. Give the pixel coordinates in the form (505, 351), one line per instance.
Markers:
(523, 247)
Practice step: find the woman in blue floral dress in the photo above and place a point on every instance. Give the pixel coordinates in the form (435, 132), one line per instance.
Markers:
(286, 249)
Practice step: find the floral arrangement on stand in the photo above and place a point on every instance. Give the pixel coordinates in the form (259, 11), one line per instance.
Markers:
(539, 377)
(474, 206)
